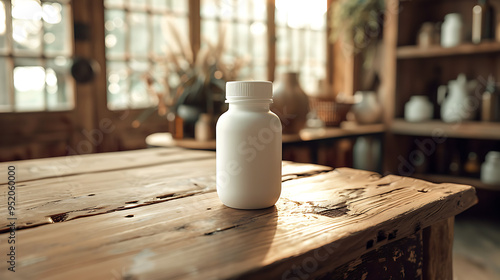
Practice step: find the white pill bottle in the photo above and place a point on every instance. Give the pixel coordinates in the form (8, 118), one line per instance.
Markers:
(248, 148)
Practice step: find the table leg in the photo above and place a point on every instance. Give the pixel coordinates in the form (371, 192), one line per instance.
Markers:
(438, 250)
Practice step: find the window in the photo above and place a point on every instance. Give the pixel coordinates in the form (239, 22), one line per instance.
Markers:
(137, 40)
(244, 25)
(301, 40)
(35, 56)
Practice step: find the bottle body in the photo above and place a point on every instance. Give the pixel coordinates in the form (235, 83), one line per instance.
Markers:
(248, 161)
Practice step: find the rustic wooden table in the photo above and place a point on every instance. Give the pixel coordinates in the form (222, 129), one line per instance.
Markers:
(155, 214)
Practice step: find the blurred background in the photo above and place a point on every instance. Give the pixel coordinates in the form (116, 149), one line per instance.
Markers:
(401, 87)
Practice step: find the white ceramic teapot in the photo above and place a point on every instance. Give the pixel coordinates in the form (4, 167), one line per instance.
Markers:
(457, 105)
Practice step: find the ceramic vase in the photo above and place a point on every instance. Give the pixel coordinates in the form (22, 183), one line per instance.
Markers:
(290, 103)
(367, 110)
(366, 153)
(418, 109)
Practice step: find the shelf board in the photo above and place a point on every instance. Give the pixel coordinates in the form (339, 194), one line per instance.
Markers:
(469, 130)
(435, 178)
(407, 52)
(347, 129)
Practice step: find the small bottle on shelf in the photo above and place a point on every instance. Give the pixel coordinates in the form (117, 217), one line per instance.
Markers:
(451, 30)
(426, 35)
(490, 106)
(471, 166)
(454, 167)
(477, 18)
(482, 22)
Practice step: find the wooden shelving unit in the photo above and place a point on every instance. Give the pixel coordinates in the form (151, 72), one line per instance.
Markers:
(411, 70)
(457, 180)
(409, 52)
(468, 130)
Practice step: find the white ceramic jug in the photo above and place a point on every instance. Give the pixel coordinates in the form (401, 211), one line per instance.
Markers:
(418, 109)
(456, 106)
(490, 168)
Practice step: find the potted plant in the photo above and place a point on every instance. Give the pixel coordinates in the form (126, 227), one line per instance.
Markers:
(199, 86)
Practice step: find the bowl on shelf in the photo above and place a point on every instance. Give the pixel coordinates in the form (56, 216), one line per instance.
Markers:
(331, 112)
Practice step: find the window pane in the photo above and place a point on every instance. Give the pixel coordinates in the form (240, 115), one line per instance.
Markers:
(281, 14)
(139, 34)
(114, 3)
(230, 45)
(115, 33)
(209, 9)
(301, 40)
(210, 31)
(140, 96)
(244, 12)
(160, 5)
(58, 84)
(117, 85)
(4, 85)
(259, 9)
(259, 72)
(137, 4)
(179, 7)
(159, 26)
(29, 85)
(241, 34)
(3, 28)
(259, 42)
(243, 25)
(180, 25)
(282, 49)
(159, 74)
(141, 45)
(27, 26)
(298, 43)
(34, 61)
(57, 28)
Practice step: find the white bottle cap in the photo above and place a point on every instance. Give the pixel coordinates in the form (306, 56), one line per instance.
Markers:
(245, 90)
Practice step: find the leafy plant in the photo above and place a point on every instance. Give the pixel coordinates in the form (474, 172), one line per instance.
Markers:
(357, 22)
(199, 82)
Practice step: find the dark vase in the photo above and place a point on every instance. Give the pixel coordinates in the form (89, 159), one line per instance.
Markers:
(290, 103)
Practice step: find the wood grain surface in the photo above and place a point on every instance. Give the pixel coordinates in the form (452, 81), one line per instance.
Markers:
(155, 214)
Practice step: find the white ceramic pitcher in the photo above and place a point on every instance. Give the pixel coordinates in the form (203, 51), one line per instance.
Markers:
(456, 106)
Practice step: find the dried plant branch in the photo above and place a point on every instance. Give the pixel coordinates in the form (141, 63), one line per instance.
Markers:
(184, 49)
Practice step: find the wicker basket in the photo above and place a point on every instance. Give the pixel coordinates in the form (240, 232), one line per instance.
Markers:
(330, 112)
